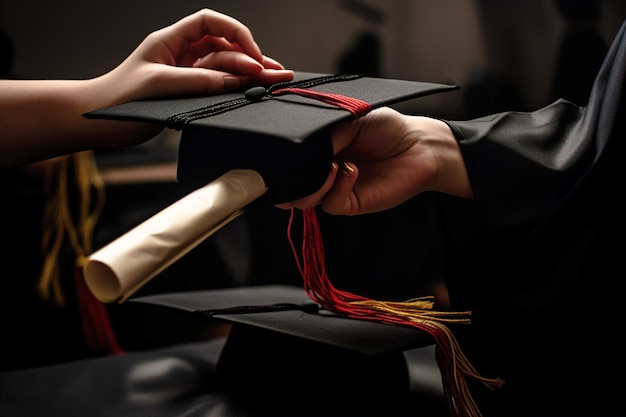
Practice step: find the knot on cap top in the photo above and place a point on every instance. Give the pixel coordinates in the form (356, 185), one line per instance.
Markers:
(255, 93)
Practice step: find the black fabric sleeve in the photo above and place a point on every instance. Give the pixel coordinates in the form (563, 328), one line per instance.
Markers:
(539, 260)
(521, 165)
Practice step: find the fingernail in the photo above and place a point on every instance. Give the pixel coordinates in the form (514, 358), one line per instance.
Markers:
(333, 166)
(347, 170)
(230, 82)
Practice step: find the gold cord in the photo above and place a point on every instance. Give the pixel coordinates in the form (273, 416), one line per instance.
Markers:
(59, 224)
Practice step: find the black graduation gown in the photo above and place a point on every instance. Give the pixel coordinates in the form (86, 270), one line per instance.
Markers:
(537, 255)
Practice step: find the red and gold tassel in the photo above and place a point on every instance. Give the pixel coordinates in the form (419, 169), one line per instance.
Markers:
(455, 368)
(60, 227)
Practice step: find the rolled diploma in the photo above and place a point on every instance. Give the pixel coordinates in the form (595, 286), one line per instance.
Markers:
(117, 270)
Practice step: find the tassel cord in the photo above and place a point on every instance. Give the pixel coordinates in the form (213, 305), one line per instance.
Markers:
(61, 225)
(355, 106)
(55, 186)
(455, 368)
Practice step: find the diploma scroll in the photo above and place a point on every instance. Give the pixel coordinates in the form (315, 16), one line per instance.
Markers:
(119, 269)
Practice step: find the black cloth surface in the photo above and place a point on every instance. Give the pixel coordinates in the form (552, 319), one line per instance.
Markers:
(182, 381)
(174, 381)
(537, 254)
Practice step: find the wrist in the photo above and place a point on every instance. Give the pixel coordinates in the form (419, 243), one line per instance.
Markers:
(450, 173)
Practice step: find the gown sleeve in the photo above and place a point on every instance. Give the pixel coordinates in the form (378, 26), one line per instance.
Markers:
(541, 179)
(523, 165)
(539, 258)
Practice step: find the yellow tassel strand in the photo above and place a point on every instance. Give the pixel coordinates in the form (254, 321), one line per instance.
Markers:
(59, 225)
(459, 368)
(454, 366)
(416, 308)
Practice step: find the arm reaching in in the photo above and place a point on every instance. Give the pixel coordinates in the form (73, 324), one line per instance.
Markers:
(203, 53)
(386, 158)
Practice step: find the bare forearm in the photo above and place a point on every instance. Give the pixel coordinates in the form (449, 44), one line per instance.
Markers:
(40, 119)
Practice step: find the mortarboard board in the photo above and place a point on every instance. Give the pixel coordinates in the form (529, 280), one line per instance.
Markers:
(284, 137)
(283, 347)
(269, 142)
(282, 134)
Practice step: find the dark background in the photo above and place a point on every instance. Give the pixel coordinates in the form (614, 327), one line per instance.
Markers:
(517, 42)
(505, 55)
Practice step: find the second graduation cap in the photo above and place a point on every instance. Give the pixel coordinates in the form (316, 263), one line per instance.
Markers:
(285, 353)
(282, 131)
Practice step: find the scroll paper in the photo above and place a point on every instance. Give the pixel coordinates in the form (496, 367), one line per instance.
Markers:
(116, 271)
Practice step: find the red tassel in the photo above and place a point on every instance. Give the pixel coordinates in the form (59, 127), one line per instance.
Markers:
(453, 364)
(355, 106)
(97, 327)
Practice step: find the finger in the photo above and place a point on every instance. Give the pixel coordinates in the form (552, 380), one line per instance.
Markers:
(184, 80)
(211, 44)
(341, 199)
(174, 81)
(271, 63)
(196, 26)
(315, 198)
(268, 77)
(236, 63)
(248, 71)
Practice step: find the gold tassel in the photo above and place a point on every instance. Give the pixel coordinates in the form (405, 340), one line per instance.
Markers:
(416, 308)
(455, 367)
(59, 224)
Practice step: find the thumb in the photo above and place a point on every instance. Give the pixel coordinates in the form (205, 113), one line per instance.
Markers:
(342, 199)
(187, 80)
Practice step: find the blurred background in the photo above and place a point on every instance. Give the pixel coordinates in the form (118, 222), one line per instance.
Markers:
(515, 44)
(505, 55)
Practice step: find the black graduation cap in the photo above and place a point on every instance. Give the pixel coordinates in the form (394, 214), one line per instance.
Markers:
(280, 344)
(285, 137)
(283, 346)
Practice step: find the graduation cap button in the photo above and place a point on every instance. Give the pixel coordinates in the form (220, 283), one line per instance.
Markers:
(255, 93)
